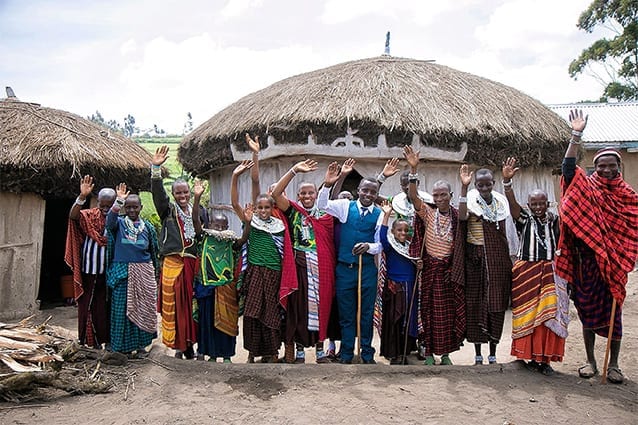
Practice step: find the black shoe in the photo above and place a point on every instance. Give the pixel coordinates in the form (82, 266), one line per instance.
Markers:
(189, 354)
(371, 361)
(344, 361)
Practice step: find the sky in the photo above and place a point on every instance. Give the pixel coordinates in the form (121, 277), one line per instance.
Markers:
(159, 60)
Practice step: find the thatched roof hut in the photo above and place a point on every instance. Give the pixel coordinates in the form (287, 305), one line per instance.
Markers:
(395, 97)
(43, 154)
(45, 151)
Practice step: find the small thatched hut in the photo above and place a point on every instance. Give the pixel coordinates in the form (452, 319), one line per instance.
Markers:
(43, 153)
(369, 109)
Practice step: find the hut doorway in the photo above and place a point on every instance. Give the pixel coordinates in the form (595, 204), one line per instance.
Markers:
(53, 267)
(351, 183)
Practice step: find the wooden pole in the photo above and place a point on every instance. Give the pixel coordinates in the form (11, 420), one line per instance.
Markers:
(609, 335)
(359, 306)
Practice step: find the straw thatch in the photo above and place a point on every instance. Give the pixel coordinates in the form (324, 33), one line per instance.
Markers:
(394, 96)
(45, 151)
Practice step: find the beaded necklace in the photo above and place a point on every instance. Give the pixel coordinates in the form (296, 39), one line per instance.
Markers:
(540, 240)
(187, 219)
(438, 231)
(272, 225)
(131, 231)
(489, 211)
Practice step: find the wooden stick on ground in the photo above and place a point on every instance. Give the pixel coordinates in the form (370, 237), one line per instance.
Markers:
(359, 306)
(609, 335)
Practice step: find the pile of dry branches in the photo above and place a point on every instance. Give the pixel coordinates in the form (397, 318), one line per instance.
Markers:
(38, 359)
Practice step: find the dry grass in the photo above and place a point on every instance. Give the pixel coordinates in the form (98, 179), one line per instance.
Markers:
(395, 96)
(46, 150)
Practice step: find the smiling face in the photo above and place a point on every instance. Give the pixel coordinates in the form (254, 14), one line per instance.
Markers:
(367, 192)
(442, 195)
(307, 195)
(132, 207)
(484, 183)
(537, 203)
(607, 166)
(181, 193)
(263, 208)
(400, 230)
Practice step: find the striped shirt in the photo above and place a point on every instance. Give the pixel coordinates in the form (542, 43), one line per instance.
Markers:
(538, 240)
(475, 230)
(439, 240)
(93, 257)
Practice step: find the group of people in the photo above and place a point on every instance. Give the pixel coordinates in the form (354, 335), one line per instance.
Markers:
(327, 266)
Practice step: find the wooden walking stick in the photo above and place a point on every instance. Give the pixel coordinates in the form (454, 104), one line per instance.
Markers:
(359, 307)
(609, 335)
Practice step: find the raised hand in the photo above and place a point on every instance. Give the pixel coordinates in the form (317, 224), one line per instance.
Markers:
(249, 211)
(199, 187)
(253, 144)
(391, 167)
(576, 119)
(332, 174)
(348, 166)
(466, 175)
(386, 207)
(121, 191)
(411, 156)
(160, 156)
(509, 168)
(243, 166)
(305, 166)
(86, 186)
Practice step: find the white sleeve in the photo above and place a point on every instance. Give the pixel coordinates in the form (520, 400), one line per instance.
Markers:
(335, 207)
(376, 247)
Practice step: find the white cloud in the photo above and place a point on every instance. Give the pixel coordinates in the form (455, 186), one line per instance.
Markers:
(236, 8)
(128, 47)
(201, 76)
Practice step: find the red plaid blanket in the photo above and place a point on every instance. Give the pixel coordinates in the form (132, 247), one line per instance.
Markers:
(603, 213)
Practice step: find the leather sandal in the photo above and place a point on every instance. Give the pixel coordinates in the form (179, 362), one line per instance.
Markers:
(615, 376)
(587, 371)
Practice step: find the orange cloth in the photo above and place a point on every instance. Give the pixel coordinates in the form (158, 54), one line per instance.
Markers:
(542, 346)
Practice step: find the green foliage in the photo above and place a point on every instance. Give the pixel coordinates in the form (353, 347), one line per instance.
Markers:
(619, 55)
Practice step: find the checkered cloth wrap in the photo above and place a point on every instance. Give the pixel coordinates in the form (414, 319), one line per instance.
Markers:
(603, 213)
(441, 298)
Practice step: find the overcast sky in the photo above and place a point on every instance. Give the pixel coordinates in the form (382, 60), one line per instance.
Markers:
(160, 62)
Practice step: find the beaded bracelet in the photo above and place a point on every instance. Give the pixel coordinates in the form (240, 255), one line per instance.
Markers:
(462, 199)
(577, 133)
(79, 201)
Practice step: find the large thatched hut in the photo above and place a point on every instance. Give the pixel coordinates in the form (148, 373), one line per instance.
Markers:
(43, 153)
(369, 109)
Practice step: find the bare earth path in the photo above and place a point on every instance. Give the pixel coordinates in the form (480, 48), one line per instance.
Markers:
(181, 392)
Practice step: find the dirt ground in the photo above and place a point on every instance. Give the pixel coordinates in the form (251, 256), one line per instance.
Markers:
(171, 391)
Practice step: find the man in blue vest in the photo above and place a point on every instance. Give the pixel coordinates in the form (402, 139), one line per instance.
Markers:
(359, 241)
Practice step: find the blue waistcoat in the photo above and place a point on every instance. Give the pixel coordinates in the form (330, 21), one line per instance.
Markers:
(357, 229)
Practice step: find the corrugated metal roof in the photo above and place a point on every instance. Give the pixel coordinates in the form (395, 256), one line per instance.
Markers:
(609, 124)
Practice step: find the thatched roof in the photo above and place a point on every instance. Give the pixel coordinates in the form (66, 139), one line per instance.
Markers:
(395, 96)
(46, 151)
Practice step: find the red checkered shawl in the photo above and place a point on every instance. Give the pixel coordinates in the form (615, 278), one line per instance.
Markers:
(90, 223)
(288, 282)
(323, 228)
(603, 213)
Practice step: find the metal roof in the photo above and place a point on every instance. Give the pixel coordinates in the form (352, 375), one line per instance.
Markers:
(609, 124)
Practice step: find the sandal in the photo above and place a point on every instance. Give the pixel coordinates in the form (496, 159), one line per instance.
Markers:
(445, 360)
(587, 371)
(429, 360)
(615, 376)
(478, 360)
(491, 359)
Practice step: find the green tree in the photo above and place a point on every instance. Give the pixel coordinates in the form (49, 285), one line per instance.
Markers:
(618, 55)
(110, 124)
(129, 126)
(188, 125)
